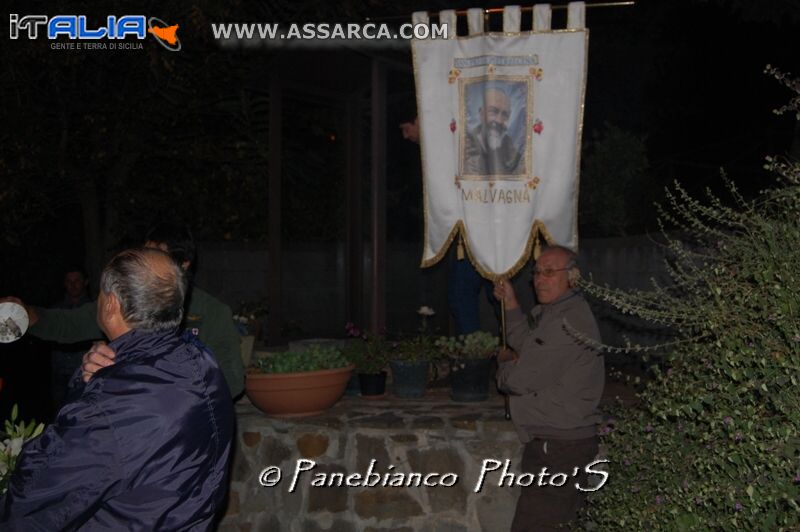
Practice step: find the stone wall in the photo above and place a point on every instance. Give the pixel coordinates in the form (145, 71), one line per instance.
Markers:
(423, 436)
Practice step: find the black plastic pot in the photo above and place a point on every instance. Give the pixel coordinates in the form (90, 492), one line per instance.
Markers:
(469, 379)
(372, 383)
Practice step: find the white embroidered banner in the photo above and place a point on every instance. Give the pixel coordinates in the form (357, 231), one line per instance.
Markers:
(500, 119)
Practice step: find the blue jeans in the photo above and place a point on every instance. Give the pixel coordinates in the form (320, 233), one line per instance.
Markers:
(463, 291)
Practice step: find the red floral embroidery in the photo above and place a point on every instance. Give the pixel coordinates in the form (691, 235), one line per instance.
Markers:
(453, 125)
(538, 127)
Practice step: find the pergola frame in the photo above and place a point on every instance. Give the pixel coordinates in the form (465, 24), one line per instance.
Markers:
(353, 145)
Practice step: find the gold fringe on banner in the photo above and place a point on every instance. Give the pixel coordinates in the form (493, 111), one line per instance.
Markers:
(538, 229)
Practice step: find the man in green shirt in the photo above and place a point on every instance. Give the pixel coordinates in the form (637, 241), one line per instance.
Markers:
(206, 317)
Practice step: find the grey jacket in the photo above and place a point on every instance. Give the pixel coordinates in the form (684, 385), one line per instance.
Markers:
(556, 384)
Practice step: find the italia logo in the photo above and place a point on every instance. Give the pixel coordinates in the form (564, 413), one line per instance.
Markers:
(76, 27)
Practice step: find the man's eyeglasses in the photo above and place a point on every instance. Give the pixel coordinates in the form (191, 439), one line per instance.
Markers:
(548, 273)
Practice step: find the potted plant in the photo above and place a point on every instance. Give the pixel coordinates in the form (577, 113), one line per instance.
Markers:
(298, 383)
(410, 362)
(248, 320)
(250, 317)
(470, 364)
(370, 361)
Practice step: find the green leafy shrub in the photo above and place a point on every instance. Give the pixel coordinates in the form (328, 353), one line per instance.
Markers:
(315, 358)
(478, 344)
(11, 440)
(372, 353)
(714, 443)
(369, 354)
(421, 346)
(418, 348)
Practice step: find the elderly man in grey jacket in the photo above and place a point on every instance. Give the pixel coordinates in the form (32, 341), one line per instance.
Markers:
(555, 379)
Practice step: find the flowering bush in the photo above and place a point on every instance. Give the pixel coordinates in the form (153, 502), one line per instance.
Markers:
(370, 355)
(419, 347)
(714, 444)
(15, 434)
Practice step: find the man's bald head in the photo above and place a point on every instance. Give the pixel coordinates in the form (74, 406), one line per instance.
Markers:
(566, 256)
(149, 287)
(556, 271)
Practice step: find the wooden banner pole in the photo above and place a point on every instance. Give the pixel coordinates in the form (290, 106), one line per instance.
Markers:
(493, 10)
(503, 340)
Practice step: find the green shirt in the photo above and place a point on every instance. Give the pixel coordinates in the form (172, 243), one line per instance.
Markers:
(208, 318)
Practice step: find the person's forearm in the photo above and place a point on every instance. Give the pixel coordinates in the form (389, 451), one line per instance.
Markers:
(67, 326)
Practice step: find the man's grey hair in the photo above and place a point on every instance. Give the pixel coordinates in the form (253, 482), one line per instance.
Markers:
(151, 297)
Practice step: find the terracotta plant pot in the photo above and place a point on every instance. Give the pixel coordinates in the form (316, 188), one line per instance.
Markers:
(297, 394)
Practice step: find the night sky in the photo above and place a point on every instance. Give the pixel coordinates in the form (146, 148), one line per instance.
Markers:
(148, 131)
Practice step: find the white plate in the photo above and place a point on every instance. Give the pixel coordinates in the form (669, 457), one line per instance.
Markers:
(13, 322)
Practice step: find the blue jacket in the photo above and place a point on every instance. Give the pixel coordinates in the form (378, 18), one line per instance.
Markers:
(145, 446)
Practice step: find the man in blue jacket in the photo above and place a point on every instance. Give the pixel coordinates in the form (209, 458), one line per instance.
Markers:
(145, 445)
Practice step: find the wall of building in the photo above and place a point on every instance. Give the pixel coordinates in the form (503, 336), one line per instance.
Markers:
(313, 297)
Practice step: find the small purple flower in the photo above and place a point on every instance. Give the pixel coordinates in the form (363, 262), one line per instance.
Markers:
(635, 489)
(680, 427)
(797, 479)
(659, 499)
(669, 372)
(728, 420)
(796, 337)
(352, 330)
(648, 428)
(738, 506)
(685, 484)
(628, 462)
(738, 437)
(698, 500)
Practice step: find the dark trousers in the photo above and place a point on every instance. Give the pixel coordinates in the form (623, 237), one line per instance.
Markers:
(464, 287)
(553, 507)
